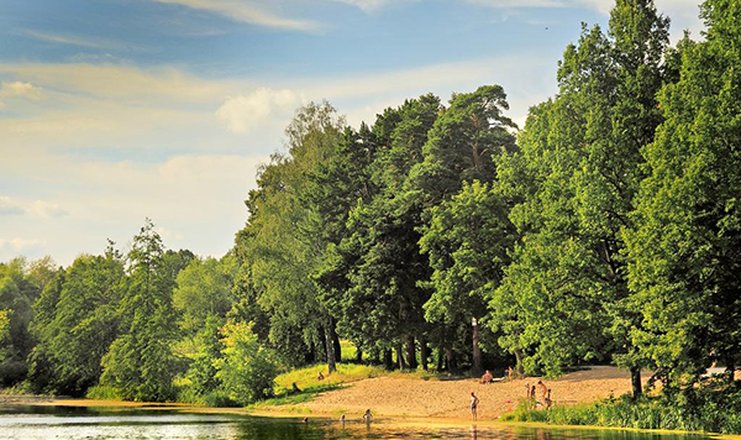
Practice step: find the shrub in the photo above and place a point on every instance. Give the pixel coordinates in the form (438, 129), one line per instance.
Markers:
(712, 407)
(104, 392)
(247, 371)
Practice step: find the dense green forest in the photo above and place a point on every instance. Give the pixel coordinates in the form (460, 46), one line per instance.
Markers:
(439, 236)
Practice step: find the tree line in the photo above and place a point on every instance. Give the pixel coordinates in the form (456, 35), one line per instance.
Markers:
(440, 237)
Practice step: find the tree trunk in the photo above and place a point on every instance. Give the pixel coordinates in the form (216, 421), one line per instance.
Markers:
(450, 360)
(476, 354)
(358, 356)
(321, 353)
(424, 354)
(331, 360)
(388, 362)
(730, 369)
(400, 357)
(335, 340)
(635, 382)
(518, 363)
(440, 360)
(411, 353)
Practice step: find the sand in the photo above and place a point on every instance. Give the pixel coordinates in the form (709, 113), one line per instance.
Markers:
(400, 397)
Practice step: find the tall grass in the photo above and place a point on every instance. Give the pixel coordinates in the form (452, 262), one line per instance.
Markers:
(307, 378)
(709, 408)
(103, 392)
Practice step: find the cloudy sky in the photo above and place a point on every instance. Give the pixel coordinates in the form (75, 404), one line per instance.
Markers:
(116, 110)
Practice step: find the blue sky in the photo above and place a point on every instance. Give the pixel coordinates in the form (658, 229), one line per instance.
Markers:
(116, 110)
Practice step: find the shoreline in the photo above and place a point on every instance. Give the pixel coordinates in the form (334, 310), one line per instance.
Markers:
(404, 401)
(386, 421)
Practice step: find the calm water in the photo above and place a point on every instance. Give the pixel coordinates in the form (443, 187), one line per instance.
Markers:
(46, 423)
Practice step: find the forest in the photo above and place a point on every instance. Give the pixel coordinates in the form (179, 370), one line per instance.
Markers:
(441, 237)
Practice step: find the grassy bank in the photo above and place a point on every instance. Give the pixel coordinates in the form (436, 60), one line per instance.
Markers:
(306, 379)
(710, 409)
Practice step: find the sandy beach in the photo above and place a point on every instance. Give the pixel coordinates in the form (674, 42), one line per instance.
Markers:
(400, 397)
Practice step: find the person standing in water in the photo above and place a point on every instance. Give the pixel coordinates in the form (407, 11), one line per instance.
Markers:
(474, 405)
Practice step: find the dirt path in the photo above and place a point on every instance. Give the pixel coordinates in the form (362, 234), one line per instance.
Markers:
(412, 397)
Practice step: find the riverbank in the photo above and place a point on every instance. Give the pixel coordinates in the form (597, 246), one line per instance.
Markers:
(403, 400)
(441, 398)
(399, 396)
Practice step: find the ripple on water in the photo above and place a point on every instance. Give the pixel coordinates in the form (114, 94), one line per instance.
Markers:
(46, 423)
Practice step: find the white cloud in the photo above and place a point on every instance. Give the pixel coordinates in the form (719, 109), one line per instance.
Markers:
(196, 201)
(8, 206)
(44, 209)
(111, 107)
(16, 245)
(35, 209)
(366, 5)
(117, 81)
(76, 40)
(518, 3)
(18, 89)
(243, 113)
(248, 11)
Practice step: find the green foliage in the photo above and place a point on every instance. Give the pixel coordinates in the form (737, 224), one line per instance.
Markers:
(686, 251)
(200, 382)
(708, 408)
(140, 362)
(281, 245)
(75, 323)
(565, 296)
(375, 267)
(103, 392)
(306, 378)
(20, 285)
(610, 231)
(463, 144)
(4, 335)
(203, 290)
(247, 369)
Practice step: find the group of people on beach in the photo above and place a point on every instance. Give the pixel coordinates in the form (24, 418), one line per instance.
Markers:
(544, 399)
(545, 394)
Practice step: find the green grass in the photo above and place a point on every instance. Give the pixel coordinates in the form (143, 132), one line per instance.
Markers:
(101, 392)
(703, 409)
(306, 378)
(349, 350)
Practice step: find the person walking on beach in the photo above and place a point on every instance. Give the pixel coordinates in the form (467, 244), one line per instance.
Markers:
(367, 417)
(474, 405)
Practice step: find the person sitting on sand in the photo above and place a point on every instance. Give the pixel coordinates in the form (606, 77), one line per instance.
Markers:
(320, 376)
(474, 406)
(367, 417)
(487, 377)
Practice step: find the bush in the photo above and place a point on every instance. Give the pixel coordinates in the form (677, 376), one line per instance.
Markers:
(104, 392)
(712, 407)
(247, 371)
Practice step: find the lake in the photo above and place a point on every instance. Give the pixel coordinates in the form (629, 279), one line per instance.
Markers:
(46, 423)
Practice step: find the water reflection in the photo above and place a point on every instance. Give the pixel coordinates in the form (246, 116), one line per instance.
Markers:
(31, 423)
